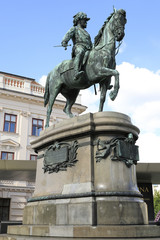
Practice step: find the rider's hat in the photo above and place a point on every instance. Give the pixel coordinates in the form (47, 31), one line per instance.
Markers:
(79, 16)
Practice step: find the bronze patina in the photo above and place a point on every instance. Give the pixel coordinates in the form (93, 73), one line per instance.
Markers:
(98, 65)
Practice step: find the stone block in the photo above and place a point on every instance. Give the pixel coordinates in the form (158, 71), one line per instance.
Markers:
(19, 230)
(80, 213)
(40, 230)
(45, 214)
(62, 214)
(122, 212)
(28, 214)
(63, 231)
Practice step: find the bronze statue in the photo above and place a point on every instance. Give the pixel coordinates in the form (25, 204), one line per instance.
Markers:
(81, 41)
(98, 67)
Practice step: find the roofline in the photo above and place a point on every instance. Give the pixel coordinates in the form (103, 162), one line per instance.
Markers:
(31, 79)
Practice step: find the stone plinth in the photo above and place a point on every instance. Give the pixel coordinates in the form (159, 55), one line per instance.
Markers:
(87, 194)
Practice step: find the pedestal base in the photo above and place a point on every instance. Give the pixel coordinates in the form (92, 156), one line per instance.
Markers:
(87, 211)
(97, 194)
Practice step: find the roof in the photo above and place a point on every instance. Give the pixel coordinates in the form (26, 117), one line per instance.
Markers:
(18, 76)
(148, 172)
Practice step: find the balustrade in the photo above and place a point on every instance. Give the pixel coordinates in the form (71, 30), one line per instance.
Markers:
(19, 85)
(12, 82)
(37, 88)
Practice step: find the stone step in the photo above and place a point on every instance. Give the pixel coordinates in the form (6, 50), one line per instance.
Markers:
(86, 232)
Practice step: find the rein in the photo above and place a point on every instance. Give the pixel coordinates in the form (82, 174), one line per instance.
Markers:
(96, 47)
(117, 48)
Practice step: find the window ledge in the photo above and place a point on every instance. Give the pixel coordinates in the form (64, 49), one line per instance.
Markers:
(9, 133)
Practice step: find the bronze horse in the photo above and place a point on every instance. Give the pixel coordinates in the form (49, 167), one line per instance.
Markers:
(99, 67)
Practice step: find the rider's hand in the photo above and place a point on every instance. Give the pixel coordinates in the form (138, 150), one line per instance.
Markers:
(64, 44)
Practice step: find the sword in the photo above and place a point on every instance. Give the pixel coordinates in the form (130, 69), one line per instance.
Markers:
(62, 46)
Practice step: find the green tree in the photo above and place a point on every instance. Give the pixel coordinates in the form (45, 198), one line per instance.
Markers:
(156, 202)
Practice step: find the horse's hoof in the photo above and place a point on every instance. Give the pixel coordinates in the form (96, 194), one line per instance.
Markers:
(112, 96)
(71, 115)
(110, 86)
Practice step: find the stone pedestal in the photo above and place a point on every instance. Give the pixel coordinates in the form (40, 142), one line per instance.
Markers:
(85, 192)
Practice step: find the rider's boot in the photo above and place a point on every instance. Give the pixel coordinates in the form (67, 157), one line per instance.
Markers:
(77, 72)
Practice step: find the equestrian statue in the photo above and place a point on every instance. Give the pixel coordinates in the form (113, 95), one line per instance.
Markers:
(90, 64)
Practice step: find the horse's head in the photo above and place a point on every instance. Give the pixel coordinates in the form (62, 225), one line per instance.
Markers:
(117, 24)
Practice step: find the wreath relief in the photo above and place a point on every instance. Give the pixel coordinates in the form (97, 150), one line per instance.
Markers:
(59, 156)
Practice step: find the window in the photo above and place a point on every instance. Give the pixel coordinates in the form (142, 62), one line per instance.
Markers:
(37, 126)
(4, 209)
(10, 122)
(7, 155)
(33, 157)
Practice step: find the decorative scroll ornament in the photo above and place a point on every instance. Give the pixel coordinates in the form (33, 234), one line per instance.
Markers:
(122, 149)
(59, 156)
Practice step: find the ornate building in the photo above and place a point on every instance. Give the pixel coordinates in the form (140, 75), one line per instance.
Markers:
(22, 117)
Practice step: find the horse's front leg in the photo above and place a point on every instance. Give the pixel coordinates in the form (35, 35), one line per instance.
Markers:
(114, 92)
(104, 72)
(49, 109)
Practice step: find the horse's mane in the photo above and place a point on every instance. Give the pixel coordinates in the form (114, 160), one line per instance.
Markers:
(98, 37)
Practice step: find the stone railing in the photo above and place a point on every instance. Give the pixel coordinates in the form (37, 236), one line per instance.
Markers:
(37, 89)
(13, 83)
(24, 85)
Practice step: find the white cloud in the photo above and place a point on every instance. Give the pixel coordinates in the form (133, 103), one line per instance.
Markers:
(42, 80)
(158, 72)
(149, 147)
(147, 116)
(139, 97)
(90, 100)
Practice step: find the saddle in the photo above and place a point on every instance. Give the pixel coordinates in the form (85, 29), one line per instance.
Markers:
(68, 65)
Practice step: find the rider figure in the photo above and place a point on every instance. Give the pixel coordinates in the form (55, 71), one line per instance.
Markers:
(81, 41)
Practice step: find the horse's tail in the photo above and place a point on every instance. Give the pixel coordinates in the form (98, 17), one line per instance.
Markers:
(46, 94)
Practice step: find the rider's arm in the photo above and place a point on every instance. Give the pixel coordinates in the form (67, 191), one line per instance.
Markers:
(68, 36)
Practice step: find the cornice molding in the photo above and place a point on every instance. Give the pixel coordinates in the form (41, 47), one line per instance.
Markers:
(16, 189)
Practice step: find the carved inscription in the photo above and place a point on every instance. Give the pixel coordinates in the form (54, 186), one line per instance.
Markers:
(59, 156)
(55, 156)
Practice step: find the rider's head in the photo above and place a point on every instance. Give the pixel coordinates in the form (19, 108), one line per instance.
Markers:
(78, 17)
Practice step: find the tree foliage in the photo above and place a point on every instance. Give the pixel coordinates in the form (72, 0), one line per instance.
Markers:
(156, 202)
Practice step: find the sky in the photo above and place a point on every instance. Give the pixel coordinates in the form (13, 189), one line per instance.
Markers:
(30, 29)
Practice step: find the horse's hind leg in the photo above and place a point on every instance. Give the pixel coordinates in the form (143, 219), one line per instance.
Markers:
(52, 98)
(103, 90)
(104, 86)
(71, 98)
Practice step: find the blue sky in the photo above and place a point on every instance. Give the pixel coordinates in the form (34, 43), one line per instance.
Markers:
(30, 29)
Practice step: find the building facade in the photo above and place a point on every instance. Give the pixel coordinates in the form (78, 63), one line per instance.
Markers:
(22, 117)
